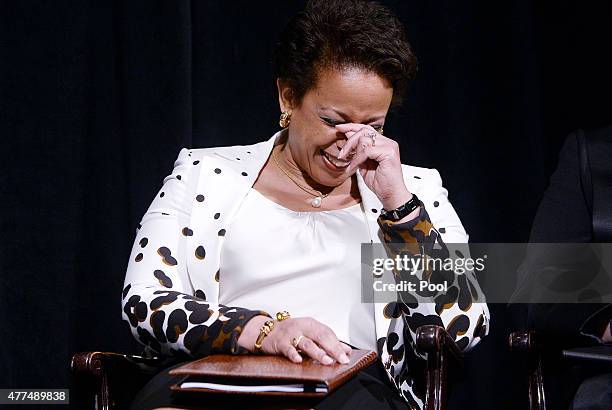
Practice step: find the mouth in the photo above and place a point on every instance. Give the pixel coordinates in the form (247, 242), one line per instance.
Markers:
(333, 162)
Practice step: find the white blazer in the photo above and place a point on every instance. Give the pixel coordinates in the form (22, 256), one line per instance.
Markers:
(171, 288)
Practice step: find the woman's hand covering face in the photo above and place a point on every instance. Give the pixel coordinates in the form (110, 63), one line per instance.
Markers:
(377, 158)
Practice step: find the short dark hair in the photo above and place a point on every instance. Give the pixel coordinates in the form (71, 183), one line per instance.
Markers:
(343, 34)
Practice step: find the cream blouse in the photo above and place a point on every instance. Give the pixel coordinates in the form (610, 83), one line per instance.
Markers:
(307, 263)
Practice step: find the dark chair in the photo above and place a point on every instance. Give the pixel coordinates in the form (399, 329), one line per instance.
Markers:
(525, 343)
(111, 380)
(532, 349)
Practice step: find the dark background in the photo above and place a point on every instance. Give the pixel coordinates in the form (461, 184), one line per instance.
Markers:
(97, 98)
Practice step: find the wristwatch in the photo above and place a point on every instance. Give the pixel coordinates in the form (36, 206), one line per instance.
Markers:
(401, 211)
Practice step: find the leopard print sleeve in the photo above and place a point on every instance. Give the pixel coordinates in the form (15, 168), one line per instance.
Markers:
(159, 303)
(456, 309)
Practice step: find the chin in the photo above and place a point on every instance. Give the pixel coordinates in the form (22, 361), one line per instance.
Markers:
(329, 181)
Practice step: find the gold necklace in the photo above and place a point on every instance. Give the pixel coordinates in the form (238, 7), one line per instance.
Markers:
(318, 197)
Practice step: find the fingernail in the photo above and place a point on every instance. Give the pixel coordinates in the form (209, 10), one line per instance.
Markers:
(340, 153)
(327, 360)
(344, 359)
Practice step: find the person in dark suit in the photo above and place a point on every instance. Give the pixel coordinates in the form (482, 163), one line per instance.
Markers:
(576, 208)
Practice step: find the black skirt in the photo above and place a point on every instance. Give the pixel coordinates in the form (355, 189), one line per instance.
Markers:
(369, 389)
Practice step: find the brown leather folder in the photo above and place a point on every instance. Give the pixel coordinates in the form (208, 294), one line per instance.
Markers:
(267, 375)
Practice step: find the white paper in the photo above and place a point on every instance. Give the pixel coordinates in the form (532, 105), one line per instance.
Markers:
(285, 388)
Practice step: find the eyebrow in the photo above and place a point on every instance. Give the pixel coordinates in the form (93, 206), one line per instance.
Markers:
(347, 119)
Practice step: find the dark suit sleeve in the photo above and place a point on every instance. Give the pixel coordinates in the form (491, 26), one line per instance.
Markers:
(563, 216)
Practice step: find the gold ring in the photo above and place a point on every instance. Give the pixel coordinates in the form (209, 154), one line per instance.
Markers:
(284, 315)
(296, 341)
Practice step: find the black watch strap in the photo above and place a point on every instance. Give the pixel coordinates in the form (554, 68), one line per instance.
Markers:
(402, 210)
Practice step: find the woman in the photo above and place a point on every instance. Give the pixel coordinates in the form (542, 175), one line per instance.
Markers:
(239, 233)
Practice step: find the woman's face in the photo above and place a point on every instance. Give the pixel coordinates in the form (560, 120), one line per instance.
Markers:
(340, 96)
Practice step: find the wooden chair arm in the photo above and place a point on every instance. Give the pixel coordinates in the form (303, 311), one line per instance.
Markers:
(527, 343)
(97, 363)
(434, 338)
(441, 350)
(93, 371)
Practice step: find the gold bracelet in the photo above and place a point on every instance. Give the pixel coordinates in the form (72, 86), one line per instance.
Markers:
(267, 328)
(263, 332)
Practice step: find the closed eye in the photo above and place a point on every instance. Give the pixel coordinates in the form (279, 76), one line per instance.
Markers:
(332, 123)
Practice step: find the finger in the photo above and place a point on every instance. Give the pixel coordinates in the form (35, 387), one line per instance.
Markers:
(362, 140)
(350, 126)
(328, 341)
(354, 146)
(353, 140)
(347, 349)
(293, 355)
(313, 350)
(364, 152)
(347, 154)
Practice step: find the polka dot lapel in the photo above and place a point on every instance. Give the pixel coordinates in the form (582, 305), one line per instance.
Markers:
(225, 176)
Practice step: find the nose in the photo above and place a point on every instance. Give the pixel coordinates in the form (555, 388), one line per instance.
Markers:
(340, 142)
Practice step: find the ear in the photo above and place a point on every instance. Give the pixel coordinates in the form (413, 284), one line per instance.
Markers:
(285, 95)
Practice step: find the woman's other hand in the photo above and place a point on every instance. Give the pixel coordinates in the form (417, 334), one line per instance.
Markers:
(378, 160)
(318, 340)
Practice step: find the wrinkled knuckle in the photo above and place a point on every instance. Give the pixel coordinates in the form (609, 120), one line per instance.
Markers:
(287, 325)
(308, 344)
(327, 332)
(319, 336)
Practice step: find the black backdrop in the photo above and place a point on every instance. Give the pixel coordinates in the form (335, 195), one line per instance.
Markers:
(97, 98)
